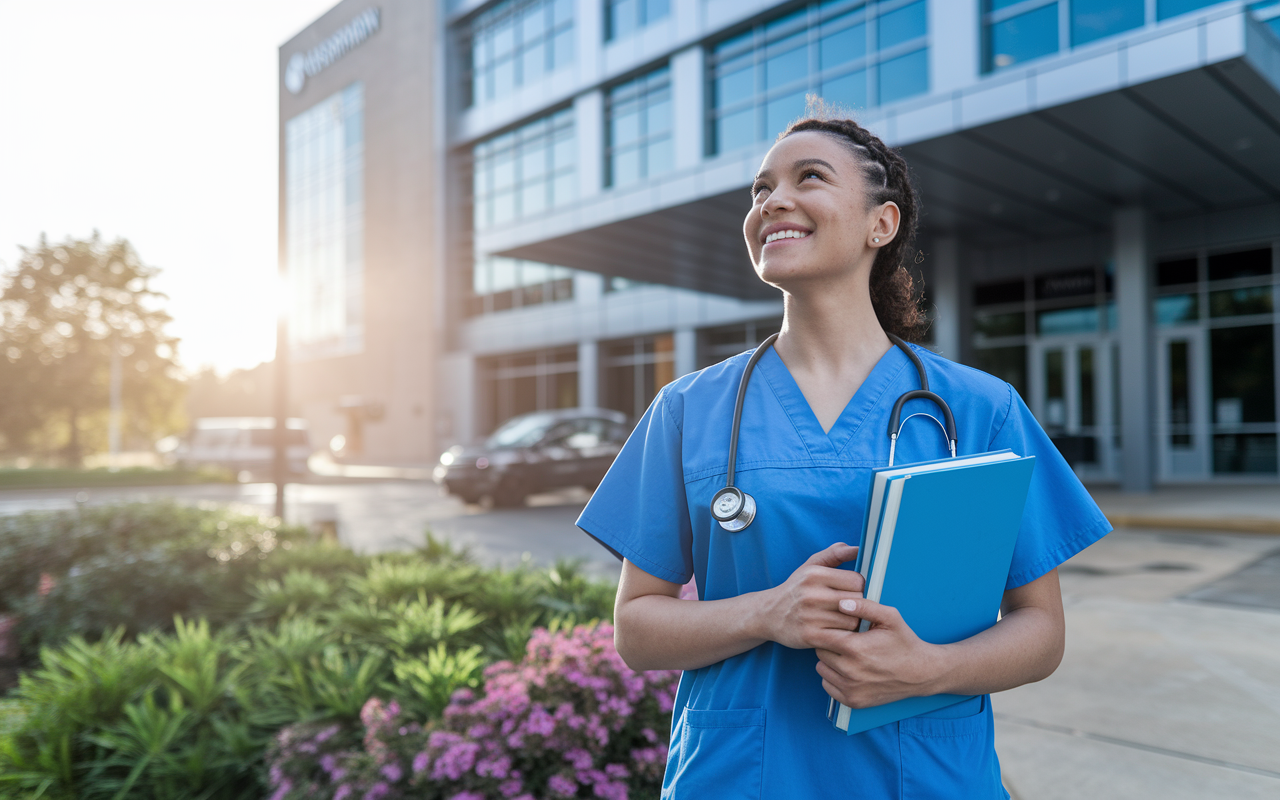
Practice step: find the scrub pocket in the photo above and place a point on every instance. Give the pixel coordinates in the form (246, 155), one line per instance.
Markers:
(720, 754)
(950, 754)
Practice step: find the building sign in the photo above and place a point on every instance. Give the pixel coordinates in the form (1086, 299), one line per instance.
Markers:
(1066, 284)
(309, 64)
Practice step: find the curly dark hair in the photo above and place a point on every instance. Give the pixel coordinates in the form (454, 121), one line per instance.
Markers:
(895, 293)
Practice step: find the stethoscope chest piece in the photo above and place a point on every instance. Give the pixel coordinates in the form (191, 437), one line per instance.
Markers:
(733, 508)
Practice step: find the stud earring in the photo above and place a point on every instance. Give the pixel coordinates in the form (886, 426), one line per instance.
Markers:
(876, 239)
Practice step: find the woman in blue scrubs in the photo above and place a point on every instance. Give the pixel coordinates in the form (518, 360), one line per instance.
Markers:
(832, 218)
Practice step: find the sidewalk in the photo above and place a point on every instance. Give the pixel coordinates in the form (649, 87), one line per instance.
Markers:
(1242, 509)
(1170, 685)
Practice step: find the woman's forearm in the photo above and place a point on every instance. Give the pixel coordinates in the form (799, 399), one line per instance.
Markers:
(662, 632)
(1025, 646)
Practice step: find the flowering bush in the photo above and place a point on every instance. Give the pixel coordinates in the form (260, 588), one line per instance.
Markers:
(570, 720)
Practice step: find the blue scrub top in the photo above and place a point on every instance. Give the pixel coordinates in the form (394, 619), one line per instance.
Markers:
(755, 725)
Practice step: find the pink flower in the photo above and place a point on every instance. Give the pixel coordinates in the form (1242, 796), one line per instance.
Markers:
(562, 785)
(420, 762)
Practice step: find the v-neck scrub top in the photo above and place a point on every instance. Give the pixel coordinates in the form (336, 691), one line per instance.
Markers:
(755, 725)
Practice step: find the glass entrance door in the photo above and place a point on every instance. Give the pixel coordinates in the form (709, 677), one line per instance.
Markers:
(1183, 439)
(1073, 397)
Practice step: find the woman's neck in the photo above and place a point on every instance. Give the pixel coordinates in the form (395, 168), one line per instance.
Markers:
(830, 342)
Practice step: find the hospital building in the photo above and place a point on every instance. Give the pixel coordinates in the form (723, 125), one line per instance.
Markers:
(490, 208)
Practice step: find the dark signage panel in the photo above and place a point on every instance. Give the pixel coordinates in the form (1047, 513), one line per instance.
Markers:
(1067, 284)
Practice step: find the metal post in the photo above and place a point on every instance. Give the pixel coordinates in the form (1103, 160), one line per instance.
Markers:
(113, 421)
(1133, 304)
(281, 462)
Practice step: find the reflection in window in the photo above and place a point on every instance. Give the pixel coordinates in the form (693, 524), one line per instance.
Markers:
(633, 370)
(517, 42)
(526, 171)
(717, 344)
(501, 283)
(1239, 302)
(1177, 309)
(990, 325)
(625, 17)
(1094, 19)
(638, 133)
(517, 384)
(1172, 8)
(850, 53)
(324, 225)
(1006, 363)
(1067, 320)
(1179, 393)
(1028, 35)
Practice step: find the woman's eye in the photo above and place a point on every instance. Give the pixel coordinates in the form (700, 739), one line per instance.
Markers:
(811, 173)
(757, 189)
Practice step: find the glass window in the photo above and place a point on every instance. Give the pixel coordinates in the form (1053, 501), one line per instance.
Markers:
(1006, 363)
(903, 25)
(524, 172)
(633, 370)
(498, 284)
(624, 17)
(517, 384)
(1240, 302)
(1175, 273)
(1022, 38)
(1013, 323)
(515, 43)
(1172, 8)
(872, 53)
(1094, 19)
(324, 225)
(904, 76)
(1246, 264)
(638, 131)
(1067, 320)
(1177, 309)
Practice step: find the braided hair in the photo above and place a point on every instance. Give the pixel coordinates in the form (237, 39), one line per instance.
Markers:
(895, 294)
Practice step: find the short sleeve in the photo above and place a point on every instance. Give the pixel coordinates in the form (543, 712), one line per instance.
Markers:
(639, 510)
(1060, 518)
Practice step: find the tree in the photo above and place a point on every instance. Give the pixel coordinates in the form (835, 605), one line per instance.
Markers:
(62, 312)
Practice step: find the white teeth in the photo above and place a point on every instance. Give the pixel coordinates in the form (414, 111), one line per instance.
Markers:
(787, 234)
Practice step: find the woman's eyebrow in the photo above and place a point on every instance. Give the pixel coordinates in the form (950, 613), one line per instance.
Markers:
(809, 162)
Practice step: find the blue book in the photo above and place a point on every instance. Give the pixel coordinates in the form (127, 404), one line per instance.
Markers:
(937, 546)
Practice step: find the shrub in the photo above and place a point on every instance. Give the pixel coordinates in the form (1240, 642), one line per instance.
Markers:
(570, 720)
(134, 566)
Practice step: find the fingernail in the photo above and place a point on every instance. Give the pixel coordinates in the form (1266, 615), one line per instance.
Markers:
(848, 605)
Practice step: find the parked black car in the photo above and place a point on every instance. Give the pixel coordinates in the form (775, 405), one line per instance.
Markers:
(535, 452)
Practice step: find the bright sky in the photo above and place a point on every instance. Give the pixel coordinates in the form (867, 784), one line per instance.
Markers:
(155, 120)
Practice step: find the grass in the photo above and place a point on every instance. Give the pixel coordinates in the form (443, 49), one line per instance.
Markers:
(52, 478)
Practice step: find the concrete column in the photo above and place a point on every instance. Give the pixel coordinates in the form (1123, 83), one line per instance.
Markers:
(1132, 252)
(588, 374)
(588, 115)
(686, 347)
(954, 40)
(944, 290)
(588, 19)
(688, 113)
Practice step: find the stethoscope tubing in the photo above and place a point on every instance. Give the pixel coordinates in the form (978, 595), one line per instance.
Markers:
(739, 508)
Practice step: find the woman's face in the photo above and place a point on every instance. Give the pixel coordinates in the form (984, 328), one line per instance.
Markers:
(809, 217)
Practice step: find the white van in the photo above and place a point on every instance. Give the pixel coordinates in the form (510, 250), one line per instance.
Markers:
(243, 444)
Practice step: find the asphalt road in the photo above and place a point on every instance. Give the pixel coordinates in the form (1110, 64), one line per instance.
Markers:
(376, 517)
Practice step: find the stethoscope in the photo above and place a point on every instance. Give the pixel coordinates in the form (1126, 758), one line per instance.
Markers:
(734, 509)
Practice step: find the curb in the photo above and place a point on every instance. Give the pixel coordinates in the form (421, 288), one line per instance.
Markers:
(1257, 525)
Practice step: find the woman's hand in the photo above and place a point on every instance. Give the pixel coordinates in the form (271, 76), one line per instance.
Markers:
(885, 663)
(803, 612)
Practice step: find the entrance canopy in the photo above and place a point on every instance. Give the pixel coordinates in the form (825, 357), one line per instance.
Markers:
(1179, 119)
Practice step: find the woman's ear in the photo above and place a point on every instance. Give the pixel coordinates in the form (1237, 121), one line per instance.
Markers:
(885, 225)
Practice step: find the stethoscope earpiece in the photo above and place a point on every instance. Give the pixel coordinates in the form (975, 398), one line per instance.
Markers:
(734, 509)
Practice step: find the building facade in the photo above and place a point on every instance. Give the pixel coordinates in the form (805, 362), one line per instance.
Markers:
(1100, 182)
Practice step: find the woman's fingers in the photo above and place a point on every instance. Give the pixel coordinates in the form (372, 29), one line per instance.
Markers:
(833, 556)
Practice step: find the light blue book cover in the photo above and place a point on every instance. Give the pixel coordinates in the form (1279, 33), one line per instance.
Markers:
(941, 557)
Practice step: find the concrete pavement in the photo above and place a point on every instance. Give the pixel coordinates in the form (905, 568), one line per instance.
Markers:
(1158, 696)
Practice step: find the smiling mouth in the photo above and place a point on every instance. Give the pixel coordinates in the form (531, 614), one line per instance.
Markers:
(777, 236)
